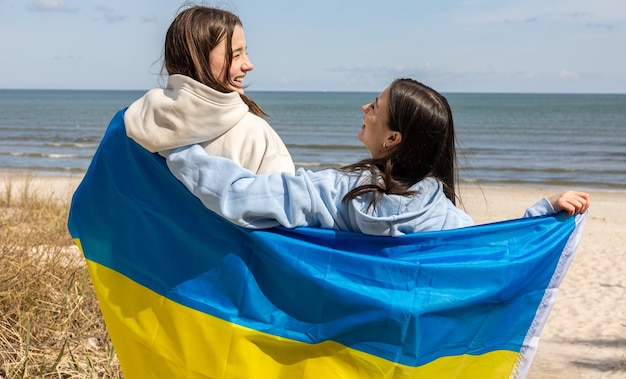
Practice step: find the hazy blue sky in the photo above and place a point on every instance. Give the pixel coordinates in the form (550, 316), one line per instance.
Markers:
(335, 45)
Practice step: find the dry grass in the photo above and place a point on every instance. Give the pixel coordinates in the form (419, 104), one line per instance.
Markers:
(50, 321)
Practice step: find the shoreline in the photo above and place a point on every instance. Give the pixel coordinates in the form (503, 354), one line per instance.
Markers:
(20, 174)
(585, 335)
(554, 186)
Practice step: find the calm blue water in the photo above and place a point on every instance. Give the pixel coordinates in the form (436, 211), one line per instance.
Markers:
(533, 139)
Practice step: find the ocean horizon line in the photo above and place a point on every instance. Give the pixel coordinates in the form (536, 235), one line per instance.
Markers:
(527, 138)
(327, 91)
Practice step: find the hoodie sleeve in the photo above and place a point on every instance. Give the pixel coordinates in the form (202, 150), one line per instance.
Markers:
(540, 208)
(248, 200)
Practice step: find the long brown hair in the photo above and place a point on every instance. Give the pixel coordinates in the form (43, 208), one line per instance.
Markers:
(427, 148)
(189, 40)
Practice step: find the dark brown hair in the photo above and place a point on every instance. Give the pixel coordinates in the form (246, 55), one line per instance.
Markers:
(189, 40)
(427, 148)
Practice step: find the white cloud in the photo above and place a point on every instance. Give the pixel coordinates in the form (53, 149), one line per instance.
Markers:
(597, 25)
(113, 17)
(67, 57)
(525, 75)
(568, 75)
(50, 6)
(110, 15)
(602, 12)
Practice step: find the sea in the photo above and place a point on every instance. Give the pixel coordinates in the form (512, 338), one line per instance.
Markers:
(537, 140)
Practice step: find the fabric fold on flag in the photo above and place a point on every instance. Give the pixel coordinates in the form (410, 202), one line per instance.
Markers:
(184, 293)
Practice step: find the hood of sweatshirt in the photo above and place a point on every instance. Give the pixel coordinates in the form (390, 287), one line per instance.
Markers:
(184, 113)
(427, 210)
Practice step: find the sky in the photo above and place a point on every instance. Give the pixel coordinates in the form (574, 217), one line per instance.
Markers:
(528, 46)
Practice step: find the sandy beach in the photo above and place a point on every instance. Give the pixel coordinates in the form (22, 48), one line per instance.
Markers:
(585, 336)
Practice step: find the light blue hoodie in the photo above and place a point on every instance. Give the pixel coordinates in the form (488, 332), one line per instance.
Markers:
(313, 198)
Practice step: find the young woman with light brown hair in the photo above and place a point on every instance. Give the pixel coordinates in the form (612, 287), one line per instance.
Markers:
(205, 58)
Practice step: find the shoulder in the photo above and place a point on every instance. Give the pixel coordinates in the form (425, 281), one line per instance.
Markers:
(252, 121)
(258, 131)
(428, 186)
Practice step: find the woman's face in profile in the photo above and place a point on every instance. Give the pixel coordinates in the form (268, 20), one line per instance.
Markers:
(375, 132)
(239, 66)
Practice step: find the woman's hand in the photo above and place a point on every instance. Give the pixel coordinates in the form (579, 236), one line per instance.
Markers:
(572, 202)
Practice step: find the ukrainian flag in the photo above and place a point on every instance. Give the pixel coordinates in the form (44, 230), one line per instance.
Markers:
(186, 294)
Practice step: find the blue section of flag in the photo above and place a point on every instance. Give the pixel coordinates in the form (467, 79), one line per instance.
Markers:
(409, 299)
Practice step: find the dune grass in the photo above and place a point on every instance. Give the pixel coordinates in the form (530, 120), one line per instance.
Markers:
(50, 322)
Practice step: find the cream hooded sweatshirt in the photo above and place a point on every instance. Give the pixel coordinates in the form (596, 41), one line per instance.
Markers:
(188, 112)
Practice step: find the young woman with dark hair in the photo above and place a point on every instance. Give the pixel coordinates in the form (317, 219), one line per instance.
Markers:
(407, 186)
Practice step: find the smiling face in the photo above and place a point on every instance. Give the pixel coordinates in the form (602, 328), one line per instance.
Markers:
(239, 66)
(375, 133)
